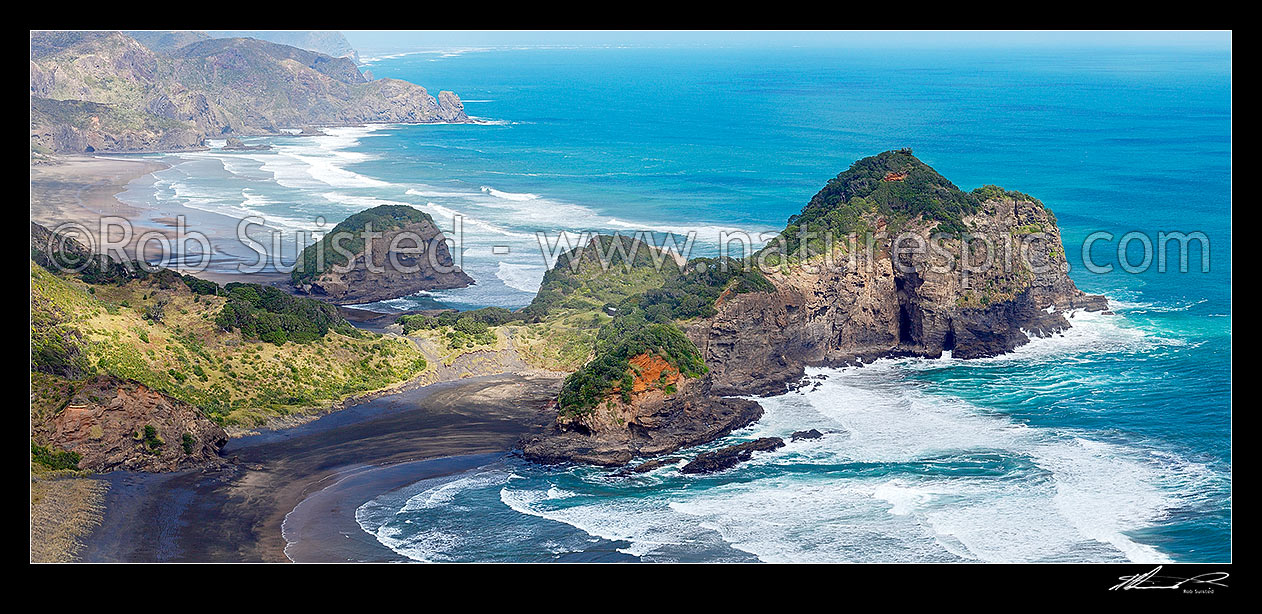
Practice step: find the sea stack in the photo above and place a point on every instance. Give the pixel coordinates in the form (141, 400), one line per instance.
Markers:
(404, 254)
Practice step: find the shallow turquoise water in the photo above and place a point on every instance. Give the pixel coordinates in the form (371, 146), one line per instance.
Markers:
(1109, 443)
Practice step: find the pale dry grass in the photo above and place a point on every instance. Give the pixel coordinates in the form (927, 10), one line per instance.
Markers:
(63, 511)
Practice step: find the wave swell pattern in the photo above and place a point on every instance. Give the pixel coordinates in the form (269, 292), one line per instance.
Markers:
(903, 473)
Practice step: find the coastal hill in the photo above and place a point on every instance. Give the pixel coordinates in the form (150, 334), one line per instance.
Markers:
(328, 42)
(925, 304)
(337, 267)
(106, 91)
(714, 331)
(175, 351)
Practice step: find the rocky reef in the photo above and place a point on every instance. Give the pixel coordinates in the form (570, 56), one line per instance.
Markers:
(726, 458)
(888, 259)
(106, 91)
(235, 144)
(406, 255)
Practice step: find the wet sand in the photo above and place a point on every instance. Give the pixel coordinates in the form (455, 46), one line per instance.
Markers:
(235, 513)
(84, 189)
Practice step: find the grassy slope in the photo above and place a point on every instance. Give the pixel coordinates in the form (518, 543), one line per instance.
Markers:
(186, 355)
(563, 319)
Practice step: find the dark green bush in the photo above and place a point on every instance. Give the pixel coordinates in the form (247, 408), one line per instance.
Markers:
(841, 207)
(274, 316)
(200, 286)
(151, 438)
(61, 459)
(584, 389)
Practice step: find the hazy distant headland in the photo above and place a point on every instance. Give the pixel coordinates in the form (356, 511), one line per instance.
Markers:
(109, 92)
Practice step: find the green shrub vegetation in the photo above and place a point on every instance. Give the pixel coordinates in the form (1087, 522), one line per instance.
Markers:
(994, 192)
(60, 459)
(460, 330)
(694, 292)
(151, 439)
(605, 271)
(78, 333)
(584, 389)
(638, 317)
(272, 315)
(850, 201)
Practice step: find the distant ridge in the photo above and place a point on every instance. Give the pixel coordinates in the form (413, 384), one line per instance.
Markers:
(107, 91)
(328, 42)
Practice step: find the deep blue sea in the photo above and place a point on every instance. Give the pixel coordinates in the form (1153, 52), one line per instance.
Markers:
(1111, 442)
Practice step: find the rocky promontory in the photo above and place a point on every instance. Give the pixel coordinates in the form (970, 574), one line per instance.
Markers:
(106, 91)
(378, 254)
(888, 259)
(867, 304)
(651, 425)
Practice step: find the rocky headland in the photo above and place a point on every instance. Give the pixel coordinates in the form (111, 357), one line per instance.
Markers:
(650, 425)
(816, 301)
(108, 92)
(112, 424)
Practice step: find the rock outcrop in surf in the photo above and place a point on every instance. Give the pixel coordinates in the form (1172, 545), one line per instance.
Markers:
(404, 254)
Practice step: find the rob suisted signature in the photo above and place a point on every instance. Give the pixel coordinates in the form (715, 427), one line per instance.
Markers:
(1152, 580)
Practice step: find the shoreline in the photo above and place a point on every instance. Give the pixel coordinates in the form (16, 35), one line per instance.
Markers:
(82, 189)
(322, 528)
(235, 513)
(377, 441)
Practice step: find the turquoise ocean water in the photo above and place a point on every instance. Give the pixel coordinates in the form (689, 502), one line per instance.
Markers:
(1110, 442)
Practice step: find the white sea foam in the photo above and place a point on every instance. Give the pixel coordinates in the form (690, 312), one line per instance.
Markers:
(949, 481)
(524, 277)
(322, 160)
(508, 195)
(426, 544)
(647, 524)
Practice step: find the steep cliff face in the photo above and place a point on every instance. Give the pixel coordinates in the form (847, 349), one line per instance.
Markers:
(407, 255)
(72, 126)
(121, 424)
(979, 294)
(108, 92)
(889, 259)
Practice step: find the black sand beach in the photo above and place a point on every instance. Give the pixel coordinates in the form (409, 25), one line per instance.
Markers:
(330, 466)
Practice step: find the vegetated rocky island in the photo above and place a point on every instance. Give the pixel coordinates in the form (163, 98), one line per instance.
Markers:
(406, 254)
(108, 92)
(665, 367)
